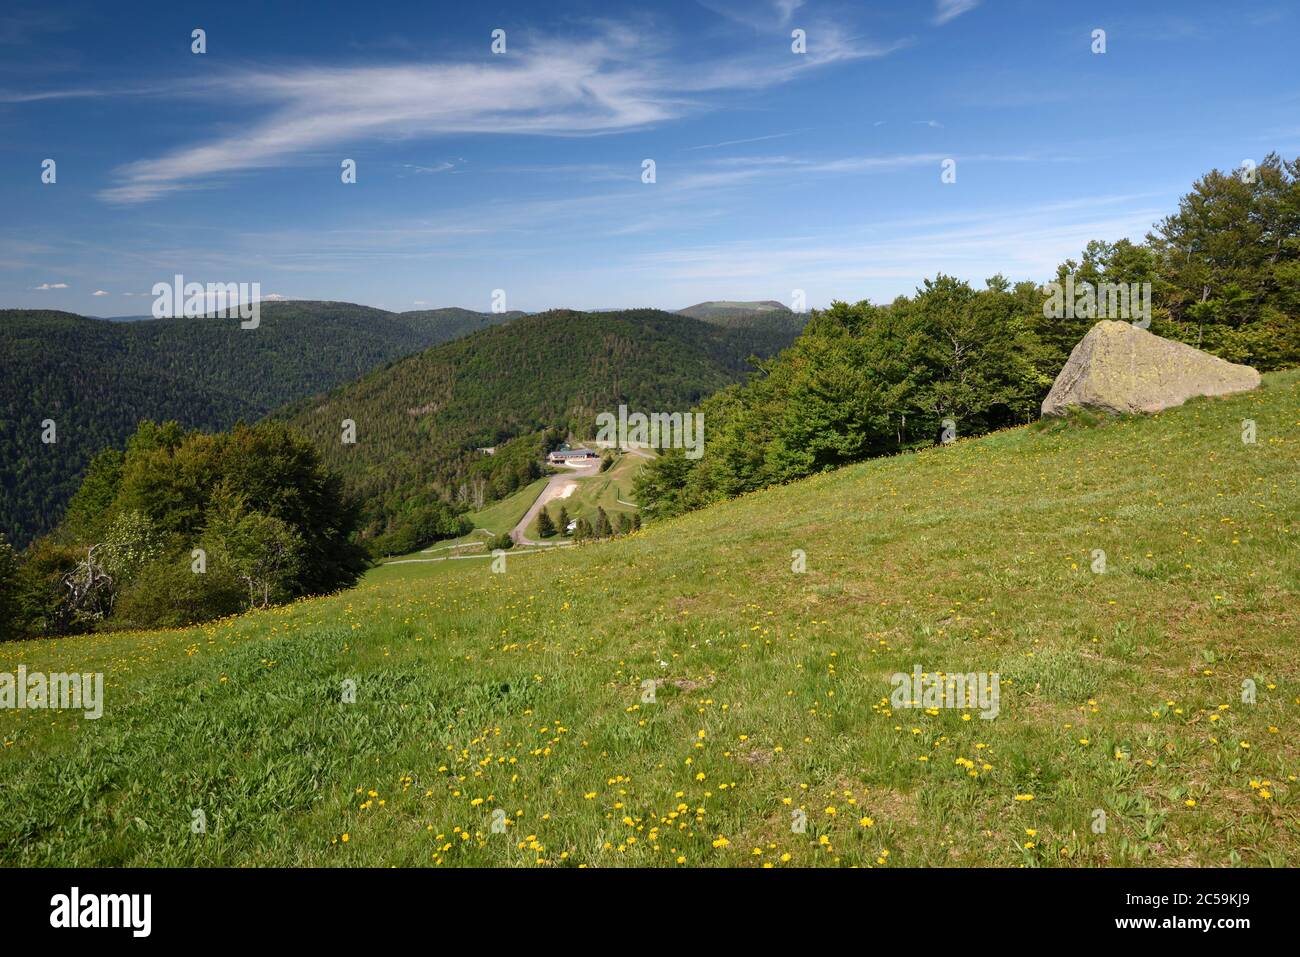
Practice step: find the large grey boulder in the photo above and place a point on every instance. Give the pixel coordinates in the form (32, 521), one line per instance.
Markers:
(1118, 367)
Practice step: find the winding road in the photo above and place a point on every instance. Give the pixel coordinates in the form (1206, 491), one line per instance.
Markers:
(555, 488)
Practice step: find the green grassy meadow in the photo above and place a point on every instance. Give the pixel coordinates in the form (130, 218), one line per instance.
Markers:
(516, 699)
(500, 517)
(497, 518)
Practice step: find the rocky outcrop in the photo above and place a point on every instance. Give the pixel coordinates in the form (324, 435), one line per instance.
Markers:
(1118, 367)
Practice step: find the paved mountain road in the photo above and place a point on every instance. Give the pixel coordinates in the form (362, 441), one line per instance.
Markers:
(554, 489)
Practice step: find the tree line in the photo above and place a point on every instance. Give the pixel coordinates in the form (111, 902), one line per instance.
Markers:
(585, 529)
(865, 380)
(97, 380)
(185, 526)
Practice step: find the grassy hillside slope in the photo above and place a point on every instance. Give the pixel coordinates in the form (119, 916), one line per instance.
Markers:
(496, 518)
(522, 691)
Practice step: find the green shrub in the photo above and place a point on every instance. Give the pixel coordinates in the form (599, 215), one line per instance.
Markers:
(423, 526)
(43, 606)
(261, 551)
(271, 518)
(170, 594)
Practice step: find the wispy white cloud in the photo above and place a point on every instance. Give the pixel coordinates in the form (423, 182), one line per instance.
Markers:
(748, 139)
(828, 44)
(442, 167)
(688, 196)
(97, 92)
(46, 286)
(785, 8)
(761, 15)
(584, 89)
(739, 170)
(21, 27)
(9, 96)
(99, 292)
(891, 257)
(946, 10)
(614, 81)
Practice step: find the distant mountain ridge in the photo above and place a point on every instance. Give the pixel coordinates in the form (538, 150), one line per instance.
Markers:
(766, 313)
(728, 307)
(96, 379)
(420, 421)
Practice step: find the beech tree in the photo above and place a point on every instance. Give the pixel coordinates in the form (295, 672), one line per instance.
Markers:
(1229, 263)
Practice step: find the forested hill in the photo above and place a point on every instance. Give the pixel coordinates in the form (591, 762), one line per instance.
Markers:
(420, 421)
(97, 379)
(726, 312)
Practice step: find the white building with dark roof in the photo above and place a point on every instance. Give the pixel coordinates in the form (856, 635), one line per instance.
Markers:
(571, 457)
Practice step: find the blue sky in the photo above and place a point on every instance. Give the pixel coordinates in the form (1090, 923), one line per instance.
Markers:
(522, 171)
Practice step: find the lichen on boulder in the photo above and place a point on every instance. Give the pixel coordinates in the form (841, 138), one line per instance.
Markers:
(1120, 368)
